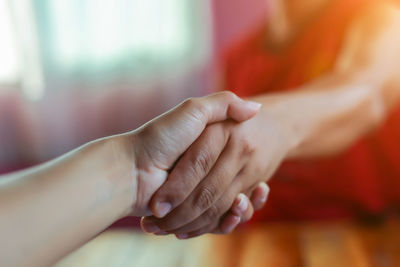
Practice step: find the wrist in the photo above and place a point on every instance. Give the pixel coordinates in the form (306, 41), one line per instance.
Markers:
(119, 170)
(138, 170)
(287, 125)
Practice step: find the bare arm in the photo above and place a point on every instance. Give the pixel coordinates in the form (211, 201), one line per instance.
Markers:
(49, 210)
(329, 114)
(321, 118)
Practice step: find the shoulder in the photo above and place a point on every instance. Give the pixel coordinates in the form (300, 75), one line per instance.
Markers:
(377, 16)
(374, 31)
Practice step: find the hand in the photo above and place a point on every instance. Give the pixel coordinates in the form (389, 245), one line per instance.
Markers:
(241, 211)
(155, 147)
(228, 158)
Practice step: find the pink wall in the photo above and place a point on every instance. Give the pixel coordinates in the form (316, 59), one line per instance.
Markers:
(63, 120)
(233, 18)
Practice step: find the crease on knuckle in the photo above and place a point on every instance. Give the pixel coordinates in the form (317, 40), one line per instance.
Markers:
(205, 198)
(201, 163)
(197, 109)
(246, 148)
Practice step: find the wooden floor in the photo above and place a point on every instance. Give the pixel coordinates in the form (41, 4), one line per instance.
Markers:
(314, 245)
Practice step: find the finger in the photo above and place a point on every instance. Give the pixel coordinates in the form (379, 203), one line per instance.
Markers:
(194, 165)
(209, 109)
(224, 105)
(218, 210)
(227, 225)
(148, 226)
(189, 119)
(210, 228)
(209, 190)
(242, 207)
(259, 196)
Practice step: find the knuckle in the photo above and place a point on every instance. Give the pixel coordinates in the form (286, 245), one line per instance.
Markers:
(190, 102)
(196, 107)
(201, 163)
(147, 131)
(229, 95)
(246, 148)
(205, 198)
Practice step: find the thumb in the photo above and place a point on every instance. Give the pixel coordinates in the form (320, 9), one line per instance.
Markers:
(195, 114)
(226, 105)
(170, 134)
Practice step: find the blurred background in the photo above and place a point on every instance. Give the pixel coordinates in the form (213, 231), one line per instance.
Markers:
(75, 70)
(72, 71)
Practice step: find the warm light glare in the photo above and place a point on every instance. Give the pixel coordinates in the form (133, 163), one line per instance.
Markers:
(8, 51)
(96, 33)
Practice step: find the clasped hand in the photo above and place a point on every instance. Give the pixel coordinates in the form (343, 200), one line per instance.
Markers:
(199, 169)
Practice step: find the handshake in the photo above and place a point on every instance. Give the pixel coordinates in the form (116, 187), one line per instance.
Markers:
(194, 169)
(199, 168)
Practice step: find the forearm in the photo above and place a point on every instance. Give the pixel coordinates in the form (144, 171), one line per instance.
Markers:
(50, 210)
(327, 116)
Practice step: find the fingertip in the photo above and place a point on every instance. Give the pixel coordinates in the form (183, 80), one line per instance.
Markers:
(243, 110)
(265, 186)
(229, 223)
(260, 195)
(240, 204)
(264, 191)
(160, 209)
(148, 225)
(252, 105)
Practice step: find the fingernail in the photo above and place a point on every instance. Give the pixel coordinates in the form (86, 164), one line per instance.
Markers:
(265, 187)
(243, 204)
(253, 105)
(266, 191)
(181, 236)
(149, 226)
(162, 209)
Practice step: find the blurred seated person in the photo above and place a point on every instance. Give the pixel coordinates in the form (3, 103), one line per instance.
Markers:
(328, 75)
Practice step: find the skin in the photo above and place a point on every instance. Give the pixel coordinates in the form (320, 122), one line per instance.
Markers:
(319, 119)
(49, 210)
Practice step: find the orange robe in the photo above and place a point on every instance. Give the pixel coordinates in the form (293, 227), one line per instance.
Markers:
(365, 179)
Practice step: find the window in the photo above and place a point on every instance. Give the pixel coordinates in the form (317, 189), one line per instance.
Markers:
(9, 69)
(92, 37)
